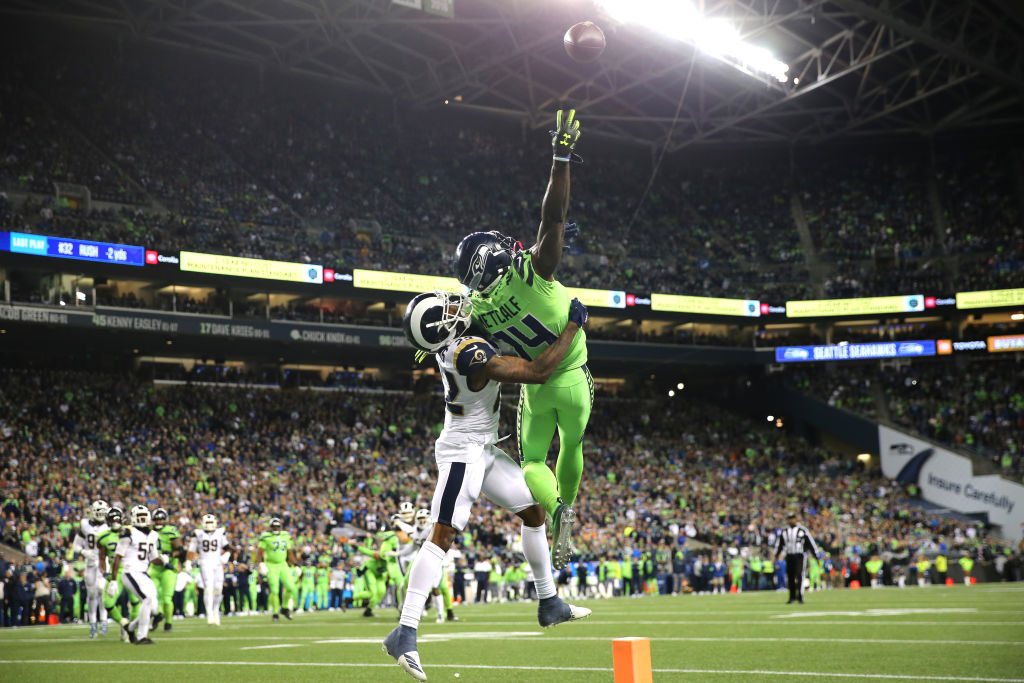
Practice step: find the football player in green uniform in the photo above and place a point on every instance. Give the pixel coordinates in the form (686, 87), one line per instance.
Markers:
(273, 553)
(106, 544)
(517, 300)
(375, 572)
(166, 577)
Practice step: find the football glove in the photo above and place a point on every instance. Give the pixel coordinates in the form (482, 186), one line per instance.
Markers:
(264, 570)
(112, 589)
(166, 560)
(188, 566)
(578, 313)
(565, 135)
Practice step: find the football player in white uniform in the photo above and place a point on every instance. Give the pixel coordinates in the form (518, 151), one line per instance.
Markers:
(86, 534)
(209, 545)
(468, 460)
(138, 548)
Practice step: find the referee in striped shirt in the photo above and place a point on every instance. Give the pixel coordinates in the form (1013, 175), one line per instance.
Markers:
(793, 541)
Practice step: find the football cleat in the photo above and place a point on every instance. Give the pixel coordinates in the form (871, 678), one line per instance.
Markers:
(451, 616)
(554, 611)
(144, 641)
(401, 644)
(286, 613)
(561, 535)
(131, 636)
(167, 627)
(275, 618)
(92, 630)
(103, 629)
(367, 612)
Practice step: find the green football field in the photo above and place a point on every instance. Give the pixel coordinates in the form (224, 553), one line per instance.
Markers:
(937, 634)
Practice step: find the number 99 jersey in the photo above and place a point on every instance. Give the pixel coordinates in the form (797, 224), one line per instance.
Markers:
(469, 415)
(209, 545)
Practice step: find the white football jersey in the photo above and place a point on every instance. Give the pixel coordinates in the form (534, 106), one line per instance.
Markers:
(88, 532)
(420, 536)
(209, 545)
(137, 549)
(469, 415)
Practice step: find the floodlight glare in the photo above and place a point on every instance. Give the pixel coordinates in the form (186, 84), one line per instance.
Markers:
(680, 20)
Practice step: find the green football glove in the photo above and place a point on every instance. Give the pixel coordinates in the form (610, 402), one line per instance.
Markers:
(565, 135)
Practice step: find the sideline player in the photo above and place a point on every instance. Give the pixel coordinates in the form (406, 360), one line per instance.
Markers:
(468, 461)
(208, 545)
(138, 548)
(86, 535)
(273, 553)
(517, 300)
(166, 576)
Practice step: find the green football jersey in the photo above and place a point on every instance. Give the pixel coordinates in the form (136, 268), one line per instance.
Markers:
(275, 546)
(108, 539)
(167, 536)
(528, 313)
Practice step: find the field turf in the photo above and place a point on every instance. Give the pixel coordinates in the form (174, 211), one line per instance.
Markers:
(936, 634)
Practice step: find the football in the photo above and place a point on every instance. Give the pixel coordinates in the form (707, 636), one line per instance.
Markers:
(584, 42)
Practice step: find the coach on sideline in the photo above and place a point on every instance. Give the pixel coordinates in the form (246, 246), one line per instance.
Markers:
(794, 540)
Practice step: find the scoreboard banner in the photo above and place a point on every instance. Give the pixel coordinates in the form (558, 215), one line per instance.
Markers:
(69, 248)
(991, 298)
(908, 303)
(902, 349)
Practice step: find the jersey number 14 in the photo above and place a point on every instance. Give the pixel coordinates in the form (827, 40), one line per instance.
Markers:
(527, 343)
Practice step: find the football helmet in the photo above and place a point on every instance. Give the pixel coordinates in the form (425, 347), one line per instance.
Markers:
(98, 511)
(139, 516)
(406, 512)
(275, 524)
(115, 518)
(159, 518)
(433, 319)
(482, 258)
(209, 523)
(422, 518)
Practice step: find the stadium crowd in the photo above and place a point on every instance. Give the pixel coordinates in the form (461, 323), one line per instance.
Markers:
(654, 494)
(286, 172)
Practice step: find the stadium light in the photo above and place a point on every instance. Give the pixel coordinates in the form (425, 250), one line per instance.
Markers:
(671, 393)
(680, 386)
(771, 418)
(1017, 316)
(680, 20)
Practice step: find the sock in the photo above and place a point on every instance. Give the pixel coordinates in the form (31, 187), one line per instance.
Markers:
(538, 554)
(439, 606)
(424, 575)
(569, 470)
(145, 613)
(542, 484)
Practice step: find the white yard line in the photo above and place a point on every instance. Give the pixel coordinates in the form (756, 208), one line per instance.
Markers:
(720, 672)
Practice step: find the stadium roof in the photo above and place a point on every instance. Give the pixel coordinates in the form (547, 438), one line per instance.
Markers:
(861, 68)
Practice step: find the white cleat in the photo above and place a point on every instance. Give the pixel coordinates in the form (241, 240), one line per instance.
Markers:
(554, 611)
(401, 645)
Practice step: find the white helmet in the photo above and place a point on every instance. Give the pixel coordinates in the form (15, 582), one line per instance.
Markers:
(98, 511)
(139, 516)
(406, 512)
(209, 523)
(433, 319)
(422, 518)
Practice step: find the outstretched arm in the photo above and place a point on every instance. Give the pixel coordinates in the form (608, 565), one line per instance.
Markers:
(547, 252)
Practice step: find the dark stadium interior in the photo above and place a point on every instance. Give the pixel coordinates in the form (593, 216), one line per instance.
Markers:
(374, 139)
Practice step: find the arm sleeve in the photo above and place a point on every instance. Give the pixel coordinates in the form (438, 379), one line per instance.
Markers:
(78, 545)
(193, 545)
(781, 542)
(809, 544)
(472, 355)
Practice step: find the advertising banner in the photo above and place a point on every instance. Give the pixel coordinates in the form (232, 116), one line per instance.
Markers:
(910, 303)
(946, 478)
(214, 264)
(678, 303)
(991, 298)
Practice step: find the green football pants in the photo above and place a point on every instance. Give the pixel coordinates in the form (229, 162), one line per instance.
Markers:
(280, 574)
(165, 579)
(544, 408)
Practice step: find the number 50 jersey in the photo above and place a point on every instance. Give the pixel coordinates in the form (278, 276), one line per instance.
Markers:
(469, 416)
(137, 548)
(528, 313)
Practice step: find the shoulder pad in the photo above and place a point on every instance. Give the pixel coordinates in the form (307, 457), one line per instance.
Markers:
(126, 532)
(471, 355)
